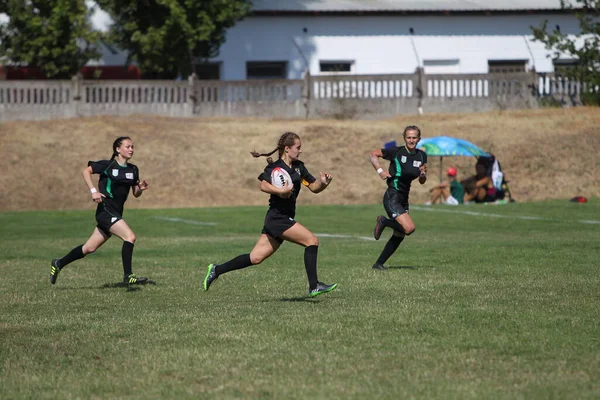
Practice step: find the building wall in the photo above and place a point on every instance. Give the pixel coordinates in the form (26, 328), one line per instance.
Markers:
(383, 44)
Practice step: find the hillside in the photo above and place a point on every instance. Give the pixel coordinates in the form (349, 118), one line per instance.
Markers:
(546, 154)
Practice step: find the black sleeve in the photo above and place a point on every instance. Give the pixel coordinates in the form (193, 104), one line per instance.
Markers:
(99, 167)
(266, 174)
(389, 153)
(136, 176)
(307, 178)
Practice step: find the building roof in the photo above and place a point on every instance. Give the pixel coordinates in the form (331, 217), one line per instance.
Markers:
(379, 6)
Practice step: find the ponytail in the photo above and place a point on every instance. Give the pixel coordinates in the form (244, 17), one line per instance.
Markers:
(287, 139)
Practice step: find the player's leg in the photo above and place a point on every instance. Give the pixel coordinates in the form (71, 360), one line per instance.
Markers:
(299, 234)
(265, 246)
(400, 222)
(122, 230)
(97, 239)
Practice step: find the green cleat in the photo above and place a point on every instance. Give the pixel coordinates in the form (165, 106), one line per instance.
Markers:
(322, 288)
(54, 270)
(211, 276)
(132, 279)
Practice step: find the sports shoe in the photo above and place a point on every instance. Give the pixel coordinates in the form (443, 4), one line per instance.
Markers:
(211, 276)
(378, 267)
(379, 227)
(132, 279)
(322, 288)
(54, 270)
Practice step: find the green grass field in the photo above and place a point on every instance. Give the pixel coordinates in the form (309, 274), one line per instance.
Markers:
(482, 302)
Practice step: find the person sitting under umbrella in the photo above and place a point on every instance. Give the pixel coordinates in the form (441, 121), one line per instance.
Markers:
(451, 192)
(480, 187)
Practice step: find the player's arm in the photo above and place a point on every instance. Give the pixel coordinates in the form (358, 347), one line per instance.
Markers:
(374, 157)
(87, 178)
(320, 184)
(283, 192)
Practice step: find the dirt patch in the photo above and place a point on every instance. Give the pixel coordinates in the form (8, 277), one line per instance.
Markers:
(546, 154)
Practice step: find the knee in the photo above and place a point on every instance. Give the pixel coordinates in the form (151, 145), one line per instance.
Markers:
(313, 241)
(88, 249)
(130, 238)
(408, 230)
(256, 259)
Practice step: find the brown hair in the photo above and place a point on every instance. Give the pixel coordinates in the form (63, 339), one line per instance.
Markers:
(287, 139)
(411, 128)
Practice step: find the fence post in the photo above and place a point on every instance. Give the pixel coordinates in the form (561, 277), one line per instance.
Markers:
(192, 99)
(76, 93)
(306, 93)
(421, 85)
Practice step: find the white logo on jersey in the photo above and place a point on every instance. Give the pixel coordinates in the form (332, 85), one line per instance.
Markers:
(416, 164)
(129, 175)
(291, 219)
(113, 219)
(115, 172)
(403, 159)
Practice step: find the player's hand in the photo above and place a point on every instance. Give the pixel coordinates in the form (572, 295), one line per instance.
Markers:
(384, 175)
(286, 191)
(143, 185)
(423, 170)
(97, 197)
(326, 178)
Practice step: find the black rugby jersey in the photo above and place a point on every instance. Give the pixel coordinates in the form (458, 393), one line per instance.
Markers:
(300, 176)
(404, 167)
(115, 181)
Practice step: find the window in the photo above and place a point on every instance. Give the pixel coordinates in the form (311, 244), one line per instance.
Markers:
(336, 66)
(208, 71)
(451, 66)
(507, 66)
(562, 65)
(266, 69)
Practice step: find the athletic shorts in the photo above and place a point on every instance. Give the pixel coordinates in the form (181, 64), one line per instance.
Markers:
(395, 203)
(106, 217)
(276, 223)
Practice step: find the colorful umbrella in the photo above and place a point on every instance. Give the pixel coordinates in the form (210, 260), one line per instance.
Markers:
(445, 146)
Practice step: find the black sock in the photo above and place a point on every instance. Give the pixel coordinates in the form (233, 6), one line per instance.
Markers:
(241, 261)
(75, 254)
(310, 263)
(127, 255)
(390, 248)
(392, 223)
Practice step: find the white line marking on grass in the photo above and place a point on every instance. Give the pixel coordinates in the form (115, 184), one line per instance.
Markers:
(482, 214)
(329, 235)
(588, 221)
(186, 221)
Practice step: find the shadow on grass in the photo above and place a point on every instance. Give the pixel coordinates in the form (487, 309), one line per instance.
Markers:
(130, 288)
(306, 299)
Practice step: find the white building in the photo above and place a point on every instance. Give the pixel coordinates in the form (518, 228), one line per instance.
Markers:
(284, 38)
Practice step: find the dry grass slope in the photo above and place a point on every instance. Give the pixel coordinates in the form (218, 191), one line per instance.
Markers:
(546, 154)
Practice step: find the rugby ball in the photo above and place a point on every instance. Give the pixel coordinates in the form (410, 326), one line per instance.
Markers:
(280, 177)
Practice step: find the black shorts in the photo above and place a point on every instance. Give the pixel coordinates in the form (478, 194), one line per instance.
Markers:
(395, 203)
(106, 217)
(276, 223)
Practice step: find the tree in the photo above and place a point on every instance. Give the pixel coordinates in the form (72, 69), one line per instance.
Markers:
(167, 37)
(585, 47)
(54, 35)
